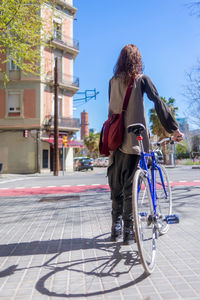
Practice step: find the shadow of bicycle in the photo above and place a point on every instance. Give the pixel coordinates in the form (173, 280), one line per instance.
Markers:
(115, 262)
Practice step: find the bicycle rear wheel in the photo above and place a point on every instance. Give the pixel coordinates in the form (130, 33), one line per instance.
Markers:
(145, 231)
(163, 199)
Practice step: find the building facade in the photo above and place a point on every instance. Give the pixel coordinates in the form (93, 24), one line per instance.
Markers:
(27, 102)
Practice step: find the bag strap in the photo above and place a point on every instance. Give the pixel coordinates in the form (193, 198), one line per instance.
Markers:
(128, 94)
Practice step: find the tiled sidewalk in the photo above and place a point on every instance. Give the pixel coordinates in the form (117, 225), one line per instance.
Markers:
(57, 248)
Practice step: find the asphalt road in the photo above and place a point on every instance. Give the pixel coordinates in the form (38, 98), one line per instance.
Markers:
(97, 176)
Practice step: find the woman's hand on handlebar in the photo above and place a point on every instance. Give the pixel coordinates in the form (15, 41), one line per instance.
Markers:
(178, 136)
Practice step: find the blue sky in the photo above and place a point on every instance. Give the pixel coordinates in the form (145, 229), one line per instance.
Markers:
(166, 34)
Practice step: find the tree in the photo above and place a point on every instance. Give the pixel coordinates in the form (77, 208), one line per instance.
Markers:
(22, 32)
(156, 127)
(192, 89)
(92, 144)
(182, 150)
(194, 8)
(192, 94)
(196, 143)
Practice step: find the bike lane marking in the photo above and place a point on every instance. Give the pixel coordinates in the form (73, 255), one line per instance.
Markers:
(22, 191)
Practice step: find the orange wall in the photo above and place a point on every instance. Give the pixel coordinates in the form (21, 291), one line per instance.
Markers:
(47, 103)
(2, 103)
(66, 29)
(29, 103)
(48, 20)
(66, 65)
(48, 57)
(67, 105)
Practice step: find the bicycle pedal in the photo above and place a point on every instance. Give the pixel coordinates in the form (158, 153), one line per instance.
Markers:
(143, 216)
(172, 219)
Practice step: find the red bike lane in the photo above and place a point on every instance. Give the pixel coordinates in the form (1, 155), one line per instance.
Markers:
(10, 192)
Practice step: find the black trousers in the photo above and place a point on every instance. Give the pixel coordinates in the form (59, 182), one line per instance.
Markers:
(120, 178)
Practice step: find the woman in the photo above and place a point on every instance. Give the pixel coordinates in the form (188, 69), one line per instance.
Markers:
(123, 162)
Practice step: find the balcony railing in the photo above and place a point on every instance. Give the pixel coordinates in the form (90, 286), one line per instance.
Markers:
(65, 40)
(64, 80)
(65, 43)
(68, 80)
(68, 123)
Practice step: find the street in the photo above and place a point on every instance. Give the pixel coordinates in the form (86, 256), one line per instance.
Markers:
(55, 246)
(97, 176)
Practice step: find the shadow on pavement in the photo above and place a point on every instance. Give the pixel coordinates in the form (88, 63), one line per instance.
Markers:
(99, 266)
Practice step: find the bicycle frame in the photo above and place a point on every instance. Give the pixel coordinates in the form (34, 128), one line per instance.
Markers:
(152, 179)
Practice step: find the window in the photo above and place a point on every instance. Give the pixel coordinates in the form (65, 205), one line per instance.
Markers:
(59, 57)
(14, 102)
(44, 159)
(57, 32)
(12, 65)
(60, 105)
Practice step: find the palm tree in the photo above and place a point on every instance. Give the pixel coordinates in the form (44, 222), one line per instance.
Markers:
(156, 126)
(92, 143)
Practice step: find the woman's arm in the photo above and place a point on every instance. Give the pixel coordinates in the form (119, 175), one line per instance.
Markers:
(163, 112)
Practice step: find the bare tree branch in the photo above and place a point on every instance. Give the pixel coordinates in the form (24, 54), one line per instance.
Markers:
(194, 8)
(192, 95)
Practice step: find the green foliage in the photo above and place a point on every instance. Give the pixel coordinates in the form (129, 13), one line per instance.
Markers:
(156, 127)
(92, 144)
(182, 150)
(22, 32)
(196, 143)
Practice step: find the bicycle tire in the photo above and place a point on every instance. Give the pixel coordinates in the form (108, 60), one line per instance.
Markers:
(163, 199)
(145, 230)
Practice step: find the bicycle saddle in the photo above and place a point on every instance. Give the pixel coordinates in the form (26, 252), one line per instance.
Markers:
(136, 128)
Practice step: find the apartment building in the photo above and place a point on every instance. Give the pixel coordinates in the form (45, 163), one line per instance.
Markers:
(27, 102)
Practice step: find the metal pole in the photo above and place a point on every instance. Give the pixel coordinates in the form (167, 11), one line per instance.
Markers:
(63, 160)
(174, 155)
(56, 91)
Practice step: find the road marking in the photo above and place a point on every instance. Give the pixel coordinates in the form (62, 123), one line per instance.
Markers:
(16, 179)
(75, 188)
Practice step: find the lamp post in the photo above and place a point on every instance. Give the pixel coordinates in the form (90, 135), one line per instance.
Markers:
(56, 90)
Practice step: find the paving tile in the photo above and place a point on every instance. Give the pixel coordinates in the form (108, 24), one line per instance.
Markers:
(61, 252)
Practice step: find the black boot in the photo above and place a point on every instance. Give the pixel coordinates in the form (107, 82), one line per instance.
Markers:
(116, 229)
(128, 233)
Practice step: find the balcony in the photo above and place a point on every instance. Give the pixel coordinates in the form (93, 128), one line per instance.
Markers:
(65, 43)
(66, 82)
(66, 5)
(67, 124)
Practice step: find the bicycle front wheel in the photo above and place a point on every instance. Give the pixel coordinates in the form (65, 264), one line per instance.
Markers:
(145, 230)
(163, 198)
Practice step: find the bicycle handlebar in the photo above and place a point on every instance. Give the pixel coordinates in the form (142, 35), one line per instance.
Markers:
(163, 140)
(167, 139)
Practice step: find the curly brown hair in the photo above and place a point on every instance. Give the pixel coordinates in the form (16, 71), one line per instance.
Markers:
(129, 63)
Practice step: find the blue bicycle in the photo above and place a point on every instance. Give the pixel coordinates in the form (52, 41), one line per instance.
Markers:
(151, 202)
